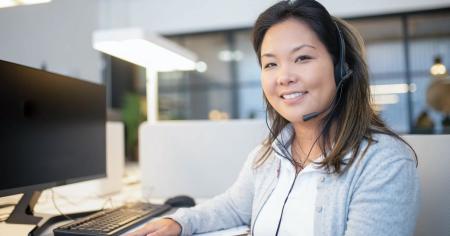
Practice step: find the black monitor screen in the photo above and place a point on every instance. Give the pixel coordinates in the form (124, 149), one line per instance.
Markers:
(52, 129)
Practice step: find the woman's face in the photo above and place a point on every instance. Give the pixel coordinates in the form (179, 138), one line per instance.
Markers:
(297, 72)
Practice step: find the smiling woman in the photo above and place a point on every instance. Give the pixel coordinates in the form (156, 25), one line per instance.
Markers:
(297, 71)
(329, 166)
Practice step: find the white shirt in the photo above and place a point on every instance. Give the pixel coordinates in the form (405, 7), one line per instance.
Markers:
(298, 215)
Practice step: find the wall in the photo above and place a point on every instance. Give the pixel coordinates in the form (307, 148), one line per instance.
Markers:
(57, 34)
(178, 16)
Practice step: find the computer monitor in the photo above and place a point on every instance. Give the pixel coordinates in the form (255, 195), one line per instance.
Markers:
(52, 132)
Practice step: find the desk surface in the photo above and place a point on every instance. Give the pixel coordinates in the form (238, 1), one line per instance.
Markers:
(75, 198)
(78, 198)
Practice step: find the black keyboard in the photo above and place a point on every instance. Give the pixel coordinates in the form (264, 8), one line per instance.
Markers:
(112, 222)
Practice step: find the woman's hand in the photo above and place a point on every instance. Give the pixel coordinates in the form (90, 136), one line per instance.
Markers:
(161, 227)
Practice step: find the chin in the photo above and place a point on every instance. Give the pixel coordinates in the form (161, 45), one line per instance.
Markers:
(293, 118)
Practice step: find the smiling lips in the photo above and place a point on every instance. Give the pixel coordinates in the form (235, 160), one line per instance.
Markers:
(293, 97)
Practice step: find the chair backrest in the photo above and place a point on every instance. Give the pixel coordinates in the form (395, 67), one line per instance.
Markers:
(197, 158)
(433, 152)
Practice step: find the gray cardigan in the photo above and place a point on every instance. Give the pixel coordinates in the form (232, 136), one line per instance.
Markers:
(377, 195)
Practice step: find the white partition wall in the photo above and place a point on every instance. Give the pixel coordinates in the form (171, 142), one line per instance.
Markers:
(433, 152)
(197, 158)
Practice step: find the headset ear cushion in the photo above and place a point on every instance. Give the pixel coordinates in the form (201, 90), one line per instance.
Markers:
(347, 72)
(341, 73)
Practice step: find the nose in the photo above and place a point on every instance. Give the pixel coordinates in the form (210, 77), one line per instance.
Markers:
(286, 77)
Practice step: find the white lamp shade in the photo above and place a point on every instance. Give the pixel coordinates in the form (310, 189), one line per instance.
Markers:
(145, 49)
(13, 3)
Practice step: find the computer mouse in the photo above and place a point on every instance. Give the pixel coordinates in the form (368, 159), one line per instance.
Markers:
(180, 201)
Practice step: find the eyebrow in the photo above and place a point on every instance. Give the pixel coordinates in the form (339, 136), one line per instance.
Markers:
(292, 51)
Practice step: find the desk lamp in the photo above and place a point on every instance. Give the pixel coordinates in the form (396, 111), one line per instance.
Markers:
(149, 50)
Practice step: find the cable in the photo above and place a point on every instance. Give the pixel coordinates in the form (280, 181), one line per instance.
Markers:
(109, 199)
(56, 206)
(284, 204)
(285, 153)
(71, 202)
(338, 95)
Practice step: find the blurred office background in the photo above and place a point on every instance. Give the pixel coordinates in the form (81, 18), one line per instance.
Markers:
(404, 40)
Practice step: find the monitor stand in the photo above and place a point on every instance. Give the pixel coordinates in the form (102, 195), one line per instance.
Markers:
(23, 213)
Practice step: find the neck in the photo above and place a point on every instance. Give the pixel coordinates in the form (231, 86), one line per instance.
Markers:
(307, 139)
(306, 132)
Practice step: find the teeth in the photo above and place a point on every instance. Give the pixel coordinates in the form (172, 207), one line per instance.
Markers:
(292, 95)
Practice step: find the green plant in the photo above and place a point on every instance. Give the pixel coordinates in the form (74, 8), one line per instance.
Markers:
(132, 115)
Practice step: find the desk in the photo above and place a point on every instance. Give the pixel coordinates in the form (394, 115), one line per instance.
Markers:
(79, 203)
(89, 204)
(76, 198)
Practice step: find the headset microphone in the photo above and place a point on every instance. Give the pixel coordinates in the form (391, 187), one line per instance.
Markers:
(341, 73)
(310, 116)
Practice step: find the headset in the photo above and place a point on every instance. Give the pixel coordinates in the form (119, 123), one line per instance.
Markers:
(341, 73)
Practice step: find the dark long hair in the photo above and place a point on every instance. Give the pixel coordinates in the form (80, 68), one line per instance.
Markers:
(354, 118)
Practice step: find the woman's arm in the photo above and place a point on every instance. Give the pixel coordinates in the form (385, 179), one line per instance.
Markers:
(230, 209)
(385, 200)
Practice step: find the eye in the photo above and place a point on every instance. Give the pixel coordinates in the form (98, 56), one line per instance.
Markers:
(302, 58)
(269, 65)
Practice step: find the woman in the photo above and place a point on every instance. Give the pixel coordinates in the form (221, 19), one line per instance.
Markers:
(329, 166)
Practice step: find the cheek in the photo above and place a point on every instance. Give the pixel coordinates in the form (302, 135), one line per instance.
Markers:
(326, 90)
(267, 86)
(329, 83)
(268, 90)
(322, 78)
